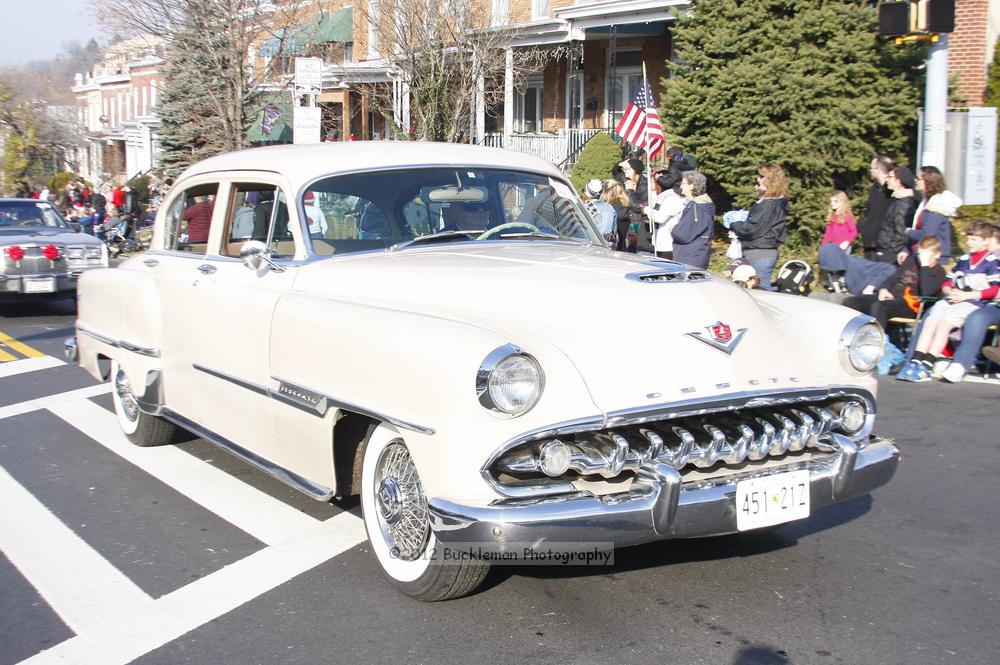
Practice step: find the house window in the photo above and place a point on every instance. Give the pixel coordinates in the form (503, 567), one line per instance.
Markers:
(623, 81)
(528, 109)
(574, 99)
(374, 18)
(500, 12)
(539, 8)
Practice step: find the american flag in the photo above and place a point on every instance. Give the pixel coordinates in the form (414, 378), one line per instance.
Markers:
(640, 124)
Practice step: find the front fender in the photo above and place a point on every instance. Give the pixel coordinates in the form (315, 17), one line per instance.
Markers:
(419, 370)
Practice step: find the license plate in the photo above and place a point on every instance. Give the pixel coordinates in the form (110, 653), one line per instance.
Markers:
(45, 285)
(772, 500)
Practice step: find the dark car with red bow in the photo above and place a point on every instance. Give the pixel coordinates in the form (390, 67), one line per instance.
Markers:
(41, 256)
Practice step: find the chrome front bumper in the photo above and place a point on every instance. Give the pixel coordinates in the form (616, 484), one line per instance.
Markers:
(659, 505)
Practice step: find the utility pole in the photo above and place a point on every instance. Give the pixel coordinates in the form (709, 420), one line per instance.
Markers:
(935, 105)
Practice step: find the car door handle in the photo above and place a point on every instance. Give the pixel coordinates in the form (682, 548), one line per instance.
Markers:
(150, 263)
(206, 269)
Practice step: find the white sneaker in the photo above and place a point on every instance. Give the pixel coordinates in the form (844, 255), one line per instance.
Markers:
(954, 373)
(941, 366)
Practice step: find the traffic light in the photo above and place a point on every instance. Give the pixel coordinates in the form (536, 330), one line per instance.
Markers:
(916, 17)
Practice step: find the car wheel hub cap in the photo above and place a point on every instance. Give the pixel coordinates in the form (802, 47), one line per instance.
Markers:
(390, 500)
(125, 395)
(402, 507)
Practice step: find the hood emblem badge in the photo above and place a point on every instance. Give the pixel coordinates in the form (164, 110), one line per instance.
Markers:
(720, 336)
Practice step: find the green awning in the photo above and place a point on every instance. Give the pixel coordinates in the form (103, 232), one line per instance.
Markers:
(286, 42)
(326, 27)
(272, 124)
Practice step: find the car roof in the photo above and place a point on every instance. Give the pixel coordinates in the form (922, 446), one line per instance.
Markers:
(304, 163)
(13, 200)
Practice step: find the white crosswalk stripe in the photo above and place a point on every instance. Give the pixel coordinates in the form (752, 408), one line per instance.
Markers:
(28, 365)
(43, 402)
(124, 636)
(263, 517)
(75, 580)
(114, 620)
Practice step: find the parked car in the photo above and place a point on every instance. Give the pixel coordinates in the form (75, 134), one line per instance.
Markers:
(441, 329)
(40, 255)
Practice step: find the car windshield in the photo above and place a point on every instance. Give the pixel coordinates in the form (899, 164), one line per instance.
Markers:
(412, 207)
(21, 216)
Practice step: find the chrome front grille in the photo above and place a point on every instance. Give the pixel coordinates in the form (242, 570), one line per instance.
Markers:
(729, 436)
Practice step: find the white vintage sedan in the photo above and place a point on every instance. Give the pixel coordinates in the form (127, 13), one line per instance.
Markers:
(440, 329)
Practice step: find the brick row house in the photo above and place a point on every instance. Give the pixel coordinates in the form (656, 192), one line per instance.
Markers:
(601, 47)
(116, 103)
(598, 47)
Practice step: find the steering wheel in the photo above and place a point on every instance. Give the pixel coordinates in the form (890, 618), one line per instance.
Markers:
(32, 222)
(489, 233)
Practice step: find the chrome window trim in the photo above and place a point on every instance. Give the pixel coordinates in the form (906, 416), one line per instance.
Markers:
(844, 343)
(490, 362)
(684, 408)
(152, 352)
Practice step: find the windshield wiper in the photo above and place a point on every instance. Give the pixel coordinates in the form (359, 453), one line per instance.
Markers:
(541, 235)
(434, 236)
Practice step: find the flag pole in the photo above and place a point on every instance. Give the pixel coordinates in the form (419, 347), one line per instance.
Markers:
(649, 159)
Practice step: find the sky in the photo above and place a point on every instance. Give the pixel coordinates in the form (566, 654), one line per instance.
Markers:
(37, 29)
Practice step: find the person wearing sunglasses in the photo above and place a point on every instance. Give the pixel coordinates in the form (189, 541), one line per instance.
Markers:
(892, 237)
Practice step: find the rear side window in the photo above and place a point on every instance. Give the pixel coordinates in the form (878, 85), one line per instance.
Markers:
(258, 211)
(189, 219)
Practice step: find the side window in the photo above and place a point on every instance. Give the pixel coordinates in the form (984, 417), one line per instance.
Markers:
(189, 219)
(258, 212)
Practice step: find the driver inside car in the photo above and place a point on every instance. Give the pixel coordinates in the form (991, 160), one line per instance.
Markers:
(473, 216)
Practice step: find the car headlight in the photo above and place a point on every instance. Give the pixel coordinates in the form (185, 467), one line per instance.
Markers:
(509, 381)
(93, 252)
(861, 344)
(74, 253)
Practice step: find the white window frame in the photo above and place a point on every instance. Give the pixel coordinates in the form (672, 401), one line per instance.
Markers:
(500, 13)
(539, 8)
(374, 19)
(538, 84)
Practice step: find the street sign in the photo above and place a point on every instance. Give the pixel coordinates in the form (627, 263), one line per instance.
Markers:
(308, 76)
(306, 124)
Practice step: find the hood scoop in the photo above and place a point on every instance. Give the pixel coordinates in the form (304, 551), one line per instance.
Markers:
(673, 276)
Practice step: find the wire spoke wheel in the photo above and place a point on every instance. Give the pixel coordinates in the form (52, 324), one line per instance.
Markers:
(402, 506)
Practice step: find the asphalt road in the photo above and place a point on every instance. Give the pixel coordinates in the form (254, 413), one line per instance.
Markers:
(112, 553)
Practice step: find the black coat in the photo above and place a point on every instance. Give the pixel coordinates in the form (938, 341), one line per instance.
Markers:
(892, 232)
(879, 197)
(765, 226)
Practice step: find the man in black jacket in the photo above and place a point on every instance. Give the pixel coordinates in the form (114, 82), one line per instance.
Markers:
(879, 197)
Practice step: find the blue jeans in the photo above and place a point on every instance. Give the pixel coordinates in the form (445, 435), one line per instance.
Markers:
(973, 335)
(763, 261)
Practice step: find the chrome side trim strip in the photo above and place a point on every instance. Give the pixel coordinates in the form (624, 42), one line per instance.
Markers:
(253, 387)
(309, 400)
(326, 402)
(315, 490)
(118, 343)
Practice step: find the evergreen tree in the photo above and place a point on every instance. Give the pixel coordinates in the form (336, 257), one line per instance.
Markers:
(807, 84)
(596, 159)
(203, 105)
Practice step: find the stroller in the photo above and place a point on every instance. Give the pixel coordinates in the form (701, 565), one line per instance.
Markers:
(795, 277)
(121, 239)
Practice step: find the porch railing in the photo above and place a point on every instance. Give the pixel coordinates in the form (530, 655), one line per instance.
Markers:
(561, 148)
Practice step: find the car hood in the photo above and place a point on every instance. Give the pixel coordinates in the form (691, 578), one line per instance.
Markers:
(634, 342)
(43, 236)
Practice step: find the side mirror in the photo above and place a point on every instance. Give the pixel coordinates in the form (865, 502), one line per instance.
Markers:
(254, 254)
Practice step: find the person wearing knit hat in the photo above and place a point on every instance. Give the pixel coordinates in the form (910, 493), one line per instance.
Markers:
(593, 188)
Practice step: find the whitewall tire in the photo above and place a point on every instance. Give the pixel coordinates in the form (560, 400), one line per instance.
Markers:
(140, 428)
(398, 525)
